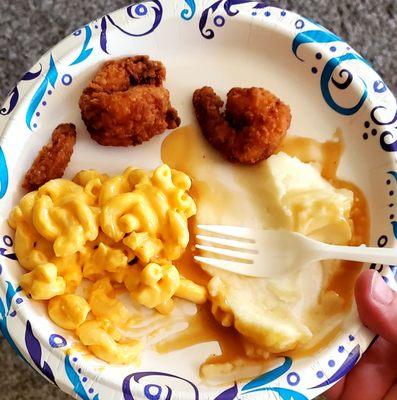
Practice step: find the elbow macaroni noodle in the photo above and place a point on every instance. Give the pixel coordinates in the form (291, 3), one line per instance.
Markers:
(154, 285)
(150, 219)
(62, 214)
(104, 304)
(114, 232)
(43, 283)
(103, 341)
(68, 311)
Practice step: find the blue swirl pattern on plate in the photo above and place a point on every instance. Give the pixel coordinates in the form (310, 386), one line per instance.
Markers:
(74, 379)
(14, 95)
(388, 140)
(228, 394)
(269, 376)
(326, 77)
(261, 383)
(284, 394)
(312, 36)
(137, 376)
(392, 216)
(344, 369)
(85, 51)
(322, 36)
(133, 11)
(188, 13)
(3, 174)
(5, 311)
(393, 174)
(4, 251)
(34, 349)
(49, 79)
(380, 86)
(218, 19)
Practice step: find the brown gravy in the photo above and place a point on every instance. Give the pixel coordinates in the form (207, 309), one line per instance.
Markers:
(202, 328)
(328, 155)
(186, 264)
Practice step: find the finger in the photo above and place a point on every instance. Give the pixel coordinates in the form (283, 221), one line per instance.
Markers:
(374, 374)
(336, 391)
(392, 393)
(377, 305)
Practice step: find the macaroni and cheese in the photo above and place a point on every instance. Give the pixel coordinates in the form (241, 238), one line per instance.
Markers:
(121, 231)
(68, 310)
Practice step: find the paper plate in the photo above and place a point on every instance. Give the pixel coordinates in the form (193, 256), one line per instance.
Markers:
(222, 43)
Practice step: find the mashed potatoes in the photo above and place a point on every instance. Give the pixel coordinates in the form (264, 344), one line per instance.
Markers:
(272, 315)
(310, 204)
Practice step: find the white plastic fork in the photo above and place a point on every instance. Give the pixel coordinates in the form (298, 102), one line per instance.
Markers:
(270, 253)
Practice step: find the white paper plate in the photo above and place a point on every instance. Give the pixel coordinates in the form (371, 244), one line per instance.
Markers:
(222, 43)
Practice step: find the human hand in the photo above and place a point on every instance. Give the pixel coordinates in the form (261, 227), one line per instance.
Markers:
(375, 376)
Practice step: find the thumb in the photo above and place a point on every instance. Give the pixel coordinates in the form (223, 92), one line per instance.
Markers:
(377, 305)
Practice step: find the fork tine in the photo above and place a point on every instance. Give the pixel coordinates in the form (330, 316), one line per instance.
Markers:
(234, 231)
(227, 242)
(230, 266)
(247, 257)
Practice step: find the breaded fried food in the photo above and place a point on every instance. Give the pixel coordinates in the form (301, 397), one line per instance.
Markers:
(125, 104)
(251, 127)
(53, 158)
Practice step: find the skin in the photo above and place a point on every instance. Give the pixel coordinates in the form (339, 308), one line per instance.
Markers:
(375, 376)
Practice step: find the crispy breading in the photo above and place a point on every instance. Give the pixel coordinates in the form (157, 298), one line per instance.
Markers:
(251, 127)
(53, 158)
(125, 104)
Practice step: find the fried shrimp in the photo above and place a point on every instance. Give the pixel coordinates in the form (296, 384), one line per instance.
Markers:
(251, 127)
(125, 104)
(53, 158)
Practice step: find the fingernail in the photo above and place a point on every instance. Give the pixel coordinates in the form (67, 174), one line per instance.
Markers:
(380, 292)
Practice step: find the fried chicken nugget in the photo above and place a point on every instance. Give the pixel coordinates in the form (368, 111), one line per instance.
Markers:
(252, 126)
(53, 158)
(126, 104)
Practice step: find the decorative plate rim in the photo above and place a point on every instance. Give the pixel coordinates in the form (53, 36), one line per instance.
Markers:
(200, 6)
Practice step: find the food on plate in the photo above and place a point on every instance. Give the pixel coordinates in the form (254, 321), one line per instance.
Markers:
(126, 103)
(115, 232)
(112, 256)
(105, 342)
(300, 310)
(251, 127)
(68, 310)
(53, 158)
(86, 241)
(305, 203)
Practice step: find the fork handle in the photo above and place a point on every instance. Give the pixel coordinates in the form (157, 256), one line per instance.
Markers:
(361, 253)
